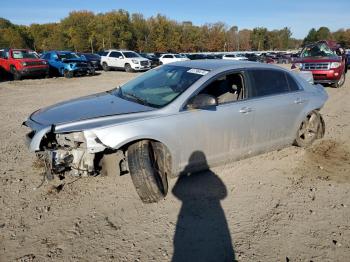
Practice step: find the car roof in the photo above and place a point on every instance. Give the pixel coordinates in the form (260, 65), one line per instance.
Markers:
(119, 50)
(64, 52)
(217, 64)
(59, 52)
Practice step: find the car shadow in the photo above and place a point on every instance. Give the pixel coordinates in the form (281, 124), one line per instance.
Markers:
(202, 232)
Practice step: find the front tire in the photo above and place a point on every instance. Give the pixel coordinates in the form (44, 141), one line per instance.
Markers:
(310, 129)
(149, 165)
(68, 74)
(128, 68)
(340, 82)
(16, 75)
(105, 67)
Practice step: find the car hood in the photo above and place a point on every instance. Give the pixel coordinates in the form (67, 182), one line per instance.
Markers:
(88, 107)
(31, 60)
(73, 61)
(317, 59)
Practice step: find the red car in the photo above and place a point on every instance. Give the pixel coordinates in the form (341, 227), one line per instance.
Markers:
(326, 60)
(22, 62)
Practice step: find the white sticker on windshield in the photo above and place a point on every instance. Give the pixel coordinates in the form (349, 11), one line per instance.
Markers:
(198, 71)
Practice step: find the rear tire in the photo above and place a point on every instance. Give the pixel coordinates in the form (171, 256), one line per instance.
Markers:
(149, 164)
(105, 67)
(310, 129)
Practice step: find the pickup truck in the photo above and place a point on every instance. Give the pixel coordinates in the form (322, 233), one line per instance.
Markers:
(22, 62)
(326, 60)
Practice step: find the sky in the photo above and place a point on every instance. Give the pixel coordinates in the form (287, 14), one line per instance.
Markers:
(299, 15)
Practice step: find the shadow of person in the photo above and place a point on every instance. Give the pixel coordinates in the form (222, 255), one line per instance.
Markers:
(202, 233)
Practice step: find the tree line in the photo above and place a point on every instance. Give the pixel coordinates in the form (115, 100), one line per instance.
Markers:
(89, 32)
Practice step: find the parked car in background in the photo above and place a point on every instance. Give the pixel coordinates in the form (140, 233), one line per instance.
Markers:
(93, 59)
(282, 58)
(169, 58)
(326, 60)
(252, 57)
(124, 59)
(151, 57)
(266, 58)
(197, 56)
(294, 57)
(22, 63)
(348, 59)
(67, 64)
(159, 54)
(237, 57)
(177, 119)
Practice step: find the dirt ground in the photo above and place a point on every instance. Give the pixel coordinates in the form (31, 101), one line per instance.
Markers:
(287, 205)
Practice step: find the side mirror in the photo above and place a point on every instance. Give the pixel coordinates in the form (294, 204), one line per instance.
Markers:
(202, 101)
(120, 57)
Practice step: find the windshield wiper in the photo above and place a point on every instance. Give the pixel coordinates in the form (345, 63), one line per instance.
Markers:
(119, 92)
(135, 98)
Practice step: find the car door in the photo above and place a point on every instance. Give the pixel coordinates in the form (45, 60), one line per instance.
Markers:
(56, 63)
(5, 60)
(218, 132)
(275, 105)
(114, 59)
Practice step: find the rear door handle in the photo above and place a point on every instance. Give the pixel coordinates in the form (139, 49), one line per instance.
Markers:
(245, 110)
(299, 101)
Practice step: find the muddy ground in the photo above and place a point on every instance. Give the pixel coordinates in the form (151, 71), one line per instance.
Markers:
(287, 205)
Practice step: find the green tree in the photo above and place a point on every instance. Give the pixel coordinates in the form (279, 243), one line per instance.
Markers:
(323, 33)
(311, 37)
(260, 38)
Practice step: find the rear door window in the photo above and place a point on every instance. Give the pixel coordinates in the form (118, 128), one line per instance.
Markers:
(267, 82)
(293, 86)
(115, 54)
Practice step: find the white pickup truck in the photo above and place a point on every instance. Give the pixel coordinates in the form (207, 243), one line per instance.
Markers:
(124, 59)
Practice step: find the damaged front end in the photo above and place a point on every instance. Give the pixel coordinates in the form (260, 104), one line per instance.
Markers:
(75, 153)
(64, 153)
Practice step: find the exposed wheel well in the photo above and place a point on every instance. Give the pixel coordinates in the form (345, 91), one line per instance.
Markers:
(125, 147)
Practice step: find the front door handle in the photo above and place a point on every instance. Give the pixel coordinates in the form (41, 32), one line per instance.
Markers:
(245, 110)
(299, 101)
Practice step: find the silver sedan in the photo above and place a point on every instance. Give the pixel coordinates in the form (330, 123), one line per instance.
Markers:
(179, 118)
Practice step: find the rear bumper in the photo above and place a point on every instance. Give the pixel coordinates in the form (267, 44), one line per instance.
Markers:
(96, 65)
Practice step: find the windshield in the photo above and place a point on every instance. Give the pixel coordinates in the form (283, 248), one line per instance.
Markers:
(20, 54)
(63, 56)
(160, 86)
(130, 54)
(178, 56)
(320, 50)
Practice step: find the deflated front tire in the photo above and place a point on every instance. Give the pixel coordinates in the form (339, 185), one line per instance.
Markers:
(149, 165)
